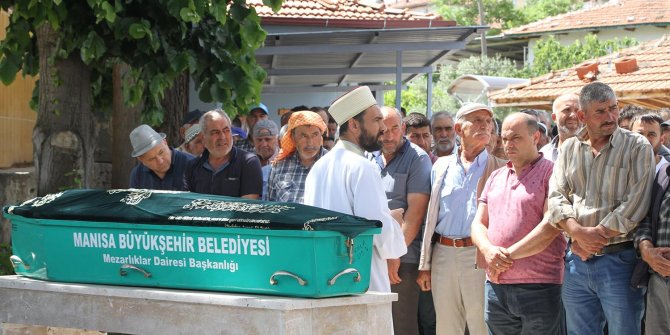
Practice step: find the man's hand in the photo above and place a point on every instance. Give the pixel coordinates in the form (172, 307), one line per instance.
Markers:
(497, 259)
(493, 275)
(393, 266)
(590, 239)
(579, 251)
(423, 280)
(656, 257)
(397, 215)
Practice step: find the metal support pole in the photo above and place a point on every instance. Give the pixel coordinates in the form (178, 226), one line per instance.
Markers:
(429, 95)
(398, 79)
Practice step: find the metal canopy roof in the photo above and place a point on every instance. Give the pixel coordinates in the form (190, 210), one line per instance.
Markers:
(330, 61)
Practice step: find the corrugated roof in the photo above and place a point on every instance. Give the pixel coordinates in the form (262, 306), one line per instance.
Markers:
(649, 86)
(622, 13)
(345, 13)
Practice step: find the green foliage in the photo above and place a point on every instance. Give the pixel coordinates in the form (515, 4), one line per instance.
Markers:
(501, 14)
(6, 267)
(414, 98)
(214, 41)
(539, 9)
(550, 55)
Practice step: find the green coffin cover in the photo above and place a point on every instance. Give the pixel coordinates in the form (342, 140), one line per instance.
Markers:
(188, 209)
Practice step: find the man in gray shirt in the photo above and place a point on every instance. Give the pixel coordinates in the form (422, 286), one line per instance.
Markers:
(405, 171)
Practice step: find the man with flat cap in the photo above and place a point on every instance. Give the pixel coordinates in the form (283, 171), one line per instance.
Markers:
(345, 181)
(161, 168)
(448, 256)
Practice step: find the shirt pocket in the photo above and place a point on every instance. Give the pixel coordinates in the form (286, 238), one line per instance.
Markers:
(614, 183)
(284, 188)
(395, 183)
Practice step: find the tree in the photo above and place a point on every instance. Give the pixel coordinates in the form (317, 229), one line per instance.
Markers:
(551, 55)
(501, 14)
(74, 45)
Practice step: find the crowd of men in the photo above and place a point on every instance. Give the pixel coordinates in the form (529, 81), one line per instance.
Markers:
(488, 227)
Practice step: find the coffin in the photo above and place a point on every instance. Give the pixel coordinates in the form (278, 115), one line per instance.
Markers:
(191, 241)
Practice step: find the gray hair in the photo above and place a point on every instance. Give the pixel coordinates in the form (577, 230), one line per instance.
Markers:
(595, 92)
(212, 115)
(442, 114)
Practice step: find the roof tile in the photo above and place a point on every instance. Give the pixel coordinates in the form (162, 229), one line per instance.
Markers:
(652, 77)
(623, 12)
(336, 9)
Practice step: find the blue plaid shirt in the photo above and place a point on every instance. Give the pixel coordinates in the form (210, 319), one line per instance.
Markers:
(286, 182)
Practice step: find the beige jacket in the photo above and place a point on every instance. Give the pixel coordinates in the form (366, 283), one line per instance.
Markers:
(441, 166)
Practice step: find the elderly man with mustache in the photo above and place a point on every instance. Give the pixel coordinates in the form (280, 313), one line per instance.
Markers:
(598, 193)
(447, 262)
(301, 147)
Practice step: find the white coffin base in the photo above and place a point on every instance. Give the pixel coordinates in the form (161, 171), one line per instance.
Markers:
(139, 310)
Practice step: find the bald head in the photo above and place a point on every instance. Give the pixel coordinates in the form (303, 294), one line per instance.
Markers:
(522, 119)
(519, 137)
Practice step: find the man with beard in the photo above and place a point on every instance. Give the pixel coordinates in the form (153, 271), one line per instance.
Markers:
(223, 169)
(564, 113)
(345, 181)
(442, 126)
(448, 256)
(405, 172)
(598, 193)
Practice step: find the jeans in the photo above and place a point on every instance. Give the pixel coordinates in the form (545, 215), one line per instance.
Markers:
(524, 309)
(599, 290)
(426, 316)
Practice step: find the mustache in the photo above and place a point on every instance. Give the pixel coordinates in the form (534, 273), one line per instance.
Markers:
(311, 147)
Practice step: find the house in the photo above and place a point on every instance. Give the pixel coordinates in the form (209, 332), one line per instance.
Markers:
(639, 75)
(642, 20)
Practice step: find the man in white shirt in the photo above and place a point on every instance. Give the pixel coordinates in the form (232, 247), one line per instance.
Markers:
(345, 181)
(564, 113)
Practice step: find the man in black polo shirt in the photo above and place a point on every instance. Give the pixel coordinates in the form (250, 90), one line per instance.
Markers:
(161, 168)
(223, 169)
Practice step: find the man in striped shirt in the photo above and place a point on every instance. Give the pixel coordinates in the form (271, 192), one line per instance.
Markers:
(599, 192)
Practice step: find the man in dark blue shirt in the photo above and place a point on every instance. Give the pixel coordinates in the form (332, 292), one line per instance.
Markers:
(223, 169)
(161, 167)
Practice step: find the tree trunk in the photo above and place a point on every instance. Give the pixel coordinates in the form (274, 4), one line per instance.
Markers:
(175, 106)
(63, 137)
(124, 120)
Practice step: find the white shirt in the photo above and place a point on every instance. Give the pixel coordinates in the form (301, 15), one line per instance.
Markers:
(344, 181)
(660, 162)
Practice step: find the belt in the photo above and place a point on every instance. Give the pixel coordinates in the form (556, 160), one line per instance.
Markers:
(461, 242)
(614, 248)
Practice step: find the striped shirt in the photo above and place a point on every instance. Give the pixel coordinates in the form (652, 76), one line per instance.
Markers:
(611, 189)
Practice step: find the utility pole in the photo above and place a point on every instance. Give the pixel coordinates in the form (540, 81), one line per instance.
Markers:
(480, 6)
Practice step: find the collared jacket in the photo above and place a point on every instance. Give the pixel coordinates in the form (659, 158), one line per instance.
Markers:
(441, 166)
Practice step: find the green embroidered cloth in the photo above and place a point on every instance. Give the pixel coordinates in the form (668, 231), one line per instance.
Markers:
(189, 209)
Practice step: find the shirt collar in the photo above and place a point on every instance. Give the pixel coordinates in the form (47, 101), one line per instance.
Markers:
(479, 161)
(510, 166)
(346, 145)
(615, 139)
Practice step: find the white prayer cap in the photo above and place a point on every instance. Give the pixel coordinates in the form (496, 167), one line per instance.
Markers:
(351, 104)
